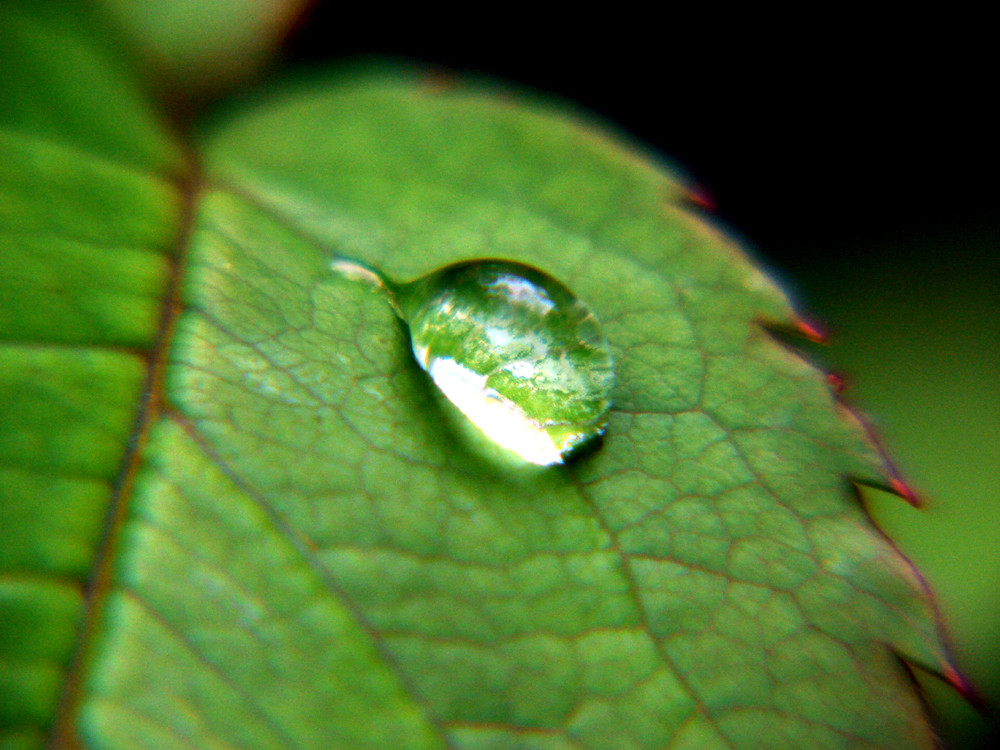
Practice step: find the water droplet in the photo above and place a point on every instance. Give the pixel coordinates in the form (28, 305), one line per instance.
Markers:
(516, 351)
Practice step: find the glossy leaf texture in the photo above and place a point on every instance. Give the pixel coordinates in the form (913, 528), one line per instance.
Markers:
(233, 515)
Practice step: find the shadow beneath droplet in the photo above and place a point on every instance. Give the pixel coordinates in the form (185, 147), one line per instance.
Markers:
(584, 449)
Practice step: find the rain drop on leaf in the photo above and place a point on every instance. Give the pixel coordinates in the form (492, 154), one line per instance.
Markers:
(516, 351)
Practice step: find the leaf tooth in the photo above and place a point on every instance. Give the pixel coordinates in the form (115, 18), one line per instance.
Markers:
(905, 491)
(812, 330)
(961, 684)
(837, 381)
(891, 480)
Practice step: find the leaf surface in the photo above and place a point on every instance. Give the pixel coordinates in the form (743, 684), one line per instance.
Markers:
(241, 519)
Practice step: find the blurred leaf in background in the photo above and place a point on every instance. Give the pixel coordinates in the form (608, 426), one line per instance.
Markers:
(198, 50)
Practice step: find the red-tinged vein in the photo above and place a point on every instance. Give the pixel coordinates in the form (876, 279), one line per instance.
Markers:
(64, 735)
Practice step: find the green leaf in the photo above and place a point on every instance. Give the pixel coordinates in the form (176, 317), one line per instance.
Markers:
(234, 516)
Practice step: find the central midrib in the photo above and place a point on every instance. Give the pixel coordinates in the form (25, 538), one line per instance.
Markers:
(64, 735)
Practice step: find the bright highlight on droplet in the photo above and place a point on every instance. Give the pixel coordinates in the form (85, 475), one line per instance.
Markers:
(517, 352)
(499, 418)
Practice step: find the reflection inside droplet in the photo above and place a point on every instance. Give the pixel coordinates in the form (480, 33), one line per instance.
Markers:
(518, 353)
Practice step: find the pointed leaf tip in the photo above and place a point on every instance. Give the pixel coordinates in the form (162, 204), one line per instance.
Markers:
(964, 688)
(837, 382)
(906, 492)
(700, 197)
(812, 330)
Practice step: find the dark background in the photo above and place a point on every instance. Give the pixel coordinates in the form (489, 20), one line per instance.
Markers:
(805, 132)
(855, 155)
